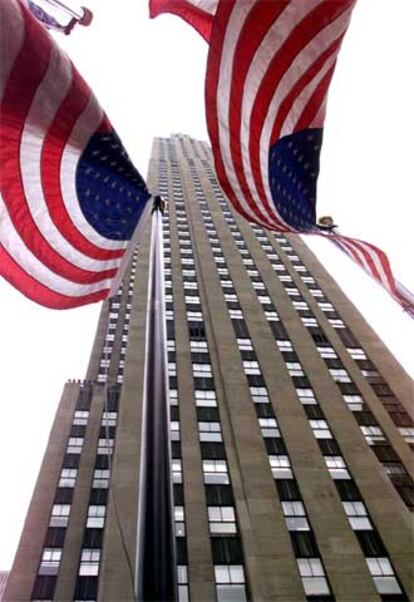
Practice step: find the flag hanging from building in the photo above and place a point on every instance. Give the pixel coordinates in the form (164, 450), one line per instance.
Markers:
(268, 74)
(70, 197)
(269, 68)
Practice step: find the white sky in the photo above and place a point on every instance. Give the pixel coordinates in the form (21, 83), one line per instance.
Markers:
(148, 75)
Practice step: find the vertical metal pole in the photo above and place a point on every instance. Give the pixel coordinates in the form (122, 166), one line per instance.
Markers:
(155, 574)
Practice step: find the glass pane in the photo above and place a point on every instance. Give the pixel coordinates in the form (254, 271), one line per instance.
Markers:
(387, 585)
(222, 574)
(223, 528)
(315, 586)
(231, 593)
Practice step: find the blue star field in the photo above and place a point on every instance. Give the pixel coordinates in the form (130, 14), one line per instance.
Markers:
(293, 175)
(111, 192)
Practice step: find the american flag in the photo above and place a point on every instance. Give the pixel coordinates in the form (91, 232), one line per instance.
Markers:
(268, 73)
(70, 197)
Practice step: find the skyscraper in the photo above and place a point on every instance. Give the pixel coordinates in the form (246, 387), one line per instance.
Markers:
(290, 425)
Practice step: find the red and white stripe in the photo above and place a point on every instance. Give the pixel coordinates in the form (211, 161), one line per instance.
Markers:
(198, 13)
(268, 74)
(375, 263)
(47, 248)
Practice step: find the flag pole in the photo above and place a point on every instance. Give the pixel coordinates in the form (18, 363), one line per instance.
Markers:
(155, 569)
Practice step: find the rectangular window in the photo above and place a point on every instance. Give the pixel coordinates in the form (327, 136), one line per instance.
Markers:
(356, 353)
(306, 396)
(109, 418)
(222, 520)
(68, 477)
(174, 430)
(210, 432)
(383, 575)
(336, 323)
(89, 564)
(251, 367)
(105, 446)
(195, 316)
(340, 375)
(236, 314)
(205, 398)
(313, 577)
(190, 286)
(320, 429)
(60, 515)
(75, 445)
(264, 299)
(357, 515)
(315, 292)
(300, 305)
(295, 516)
(269, 427)
(259, 395)
(326, 306)
(272, 316)
(284, 345)
(280, 466)
(173, 397)
(81, 417)
(96, 517)
(327, 352)
(245, 344)
(230, 583)
(215, 472)
(337, 467)
(100, 478)
(372, 434)
(407, 433)
(292, 291)
(199, 346)
(295, 369)
(177, 471)
(354, 402)
(309, 322)
(49, 565)
(284, 278)
(202, 370)
(179, 520)
(172, 369)
(226, 284)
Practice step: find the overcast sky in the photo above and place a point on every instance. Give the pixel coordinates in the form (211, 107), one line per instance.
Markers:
(148, 75)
